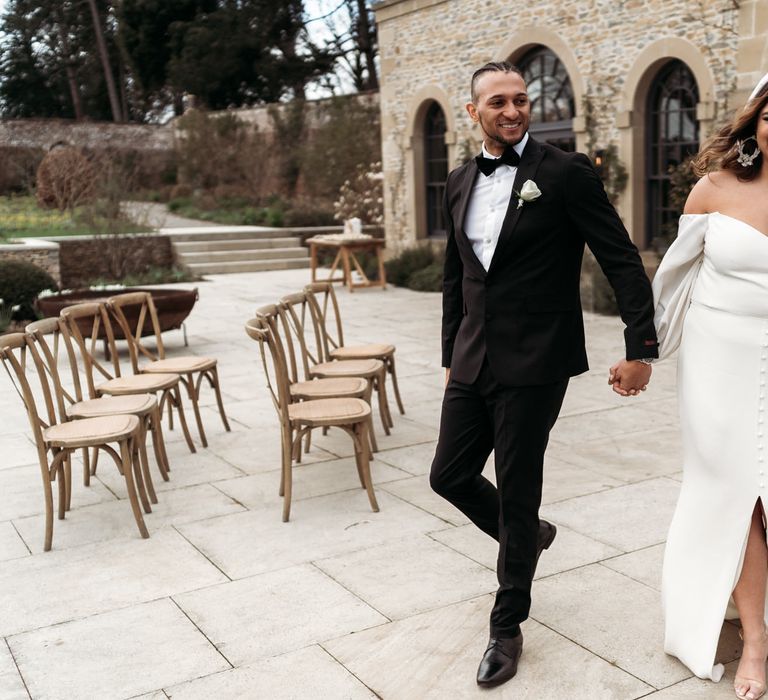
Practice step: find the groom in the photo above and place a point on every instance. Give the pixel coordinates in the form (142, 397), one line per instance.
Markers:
(518, 217)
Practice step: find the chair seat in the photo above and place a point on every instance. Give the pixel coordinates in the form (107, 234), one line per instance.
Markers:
(138, 384)
(132, 404)
(180, 365)
(91, 431)
(329, 388)
(329, 411)
(361, 352)
(347, 368)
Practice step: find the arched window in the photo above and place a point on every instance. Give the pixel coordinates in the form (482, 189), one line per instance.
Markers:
(551, 95)
(672, 135)
(435, 168)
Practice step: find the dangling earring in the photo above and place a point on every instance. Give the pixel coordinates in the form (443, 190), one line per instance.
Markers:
(745, 160)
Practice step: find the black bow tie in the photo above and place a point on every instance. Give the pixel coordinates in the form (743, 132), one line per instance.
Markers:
(488, 165)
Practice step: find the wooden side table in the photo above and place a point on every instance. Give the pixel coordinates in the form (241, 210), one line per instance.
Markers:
(345, 254)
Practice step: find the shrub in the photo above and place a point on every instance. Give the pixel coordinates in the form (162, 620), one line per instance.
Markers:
(400, 269)
(65, 179)
(362, 196)
(428, 279)
(308, 212)
(20, 283)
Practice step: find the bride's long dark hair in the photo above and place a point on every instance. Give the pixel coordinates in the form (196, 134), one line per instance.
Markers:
(720, 151)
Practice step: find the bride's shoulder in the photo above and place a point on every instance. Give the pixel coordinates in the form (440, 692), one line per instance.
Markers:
(709, 191)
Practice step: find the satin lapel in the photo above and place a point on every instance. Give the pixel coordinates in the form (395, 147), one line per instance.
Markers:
(529, 164)
(461, 237)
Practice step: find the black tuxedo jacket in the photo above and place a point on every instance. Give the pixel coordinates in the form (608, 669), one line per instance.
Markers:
(525, 312)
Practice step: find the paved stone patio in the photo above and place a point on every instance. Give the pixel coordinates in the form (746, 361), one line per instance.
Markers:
(226, 601)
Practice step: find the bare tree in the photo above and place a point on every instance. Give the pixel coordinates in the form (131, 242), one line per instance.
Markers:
(109, 78)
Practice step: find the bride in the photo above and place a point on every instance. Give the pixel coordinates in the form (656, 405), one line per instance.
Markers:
(711, 292)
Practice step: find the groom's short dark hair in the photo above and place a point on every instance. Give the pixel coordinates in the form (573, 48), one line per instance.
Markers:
(492, 67)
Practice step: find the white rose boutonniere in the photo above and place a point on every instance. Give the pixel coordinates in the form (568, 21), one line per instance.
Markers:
(529, 192)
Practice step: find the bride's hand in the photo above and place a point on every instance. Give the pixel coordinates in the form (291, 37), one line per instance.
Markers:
(629, 377)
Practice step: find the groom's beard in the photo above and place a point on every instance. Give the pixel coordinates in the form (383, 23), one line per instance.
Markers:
(494, 133)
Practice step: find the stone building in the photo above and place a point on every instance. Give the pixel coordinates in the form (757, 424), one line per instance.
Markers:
(636, 84)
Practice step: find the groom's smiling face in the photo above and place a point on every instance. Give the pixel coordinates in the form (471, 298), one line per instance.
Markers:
(501, 107)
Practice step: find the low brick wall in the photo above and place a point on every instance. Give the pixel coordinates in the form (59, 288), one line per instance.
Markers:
(44, 254)
(83, 259)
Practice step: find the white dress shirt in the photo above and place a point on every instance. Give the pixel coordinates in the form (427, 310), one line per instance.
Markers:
(488, 204)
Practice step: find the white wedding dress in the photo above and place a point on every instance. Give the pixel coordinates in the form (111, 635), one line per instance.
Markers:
(711, 293)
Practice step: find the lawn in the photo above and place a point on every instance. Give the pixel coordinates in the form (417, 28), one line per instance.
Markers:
(20, 217)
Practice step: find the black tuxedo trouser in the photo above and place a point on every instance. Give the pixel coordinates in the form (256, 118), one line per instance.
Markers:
(514, 422)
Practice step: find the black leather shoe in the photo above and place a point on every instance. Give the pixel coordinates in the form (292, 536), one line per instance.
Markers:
(547, 533)
(499, 663)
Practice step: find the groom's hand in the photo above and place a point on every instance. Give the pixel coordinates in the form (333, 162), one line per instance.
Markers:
(629, 377)
(447, 375)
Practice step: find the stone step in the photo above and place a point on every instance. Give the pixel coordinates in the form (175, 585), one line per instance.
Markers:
(249, 266)
(236, 244)
(217, 256)
(212, 233)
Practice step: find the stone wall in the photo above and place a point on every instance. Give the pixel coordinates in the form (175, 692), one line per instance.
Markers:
(45, 133)
(83, 259)
(611, 50)
(44, 254)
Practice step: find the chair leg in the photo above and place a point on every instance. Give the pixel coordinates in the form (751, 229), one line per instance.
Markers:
(287, 476)
(383, 411)
(363, 466)
(391, 369)
(141, 488)
(154, 424)
(217, 391)
(48, 513)
(125, 456)
(176, 401)
(62, 491)
(95, 460)
(194, 396)
(68, 480)
(86, 467)
(372, 436)
(144, 461)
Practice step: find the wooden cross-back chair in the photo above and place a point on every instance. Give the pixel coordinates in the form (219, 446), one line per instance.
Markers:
(48, 334)
(323, 296)
(313, 389)
(192, 369)
(56, 438)
(298, 419)
(301, 324)
(94, 315)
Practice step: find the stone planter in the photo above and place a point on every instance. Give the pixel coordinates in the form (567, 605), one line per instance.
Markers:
(173, 306)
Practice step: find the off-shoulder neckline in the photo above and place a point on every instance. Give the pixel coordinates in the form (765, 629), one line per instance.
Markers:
(732, 218)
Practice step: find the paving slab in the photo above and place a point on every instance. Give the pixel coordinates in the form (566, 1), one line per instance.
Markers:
(114, 520)
(627, 517)
(298, 675)
(22, 489)
(570, 549)
(115, 654)
(615, 617)
(644, 565)
(309, 480)
(11, 685)
(258, 541)
(65, 585)
(11, 544)
(428, 575)
(265, 615)
(434, 656)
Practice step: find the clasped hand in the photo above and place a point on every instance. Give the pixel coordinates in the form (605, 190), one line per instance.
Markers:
(629, 377)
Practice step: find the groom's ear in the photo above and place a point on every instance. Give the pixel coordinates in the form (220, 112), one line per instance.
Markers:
(472, 111)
